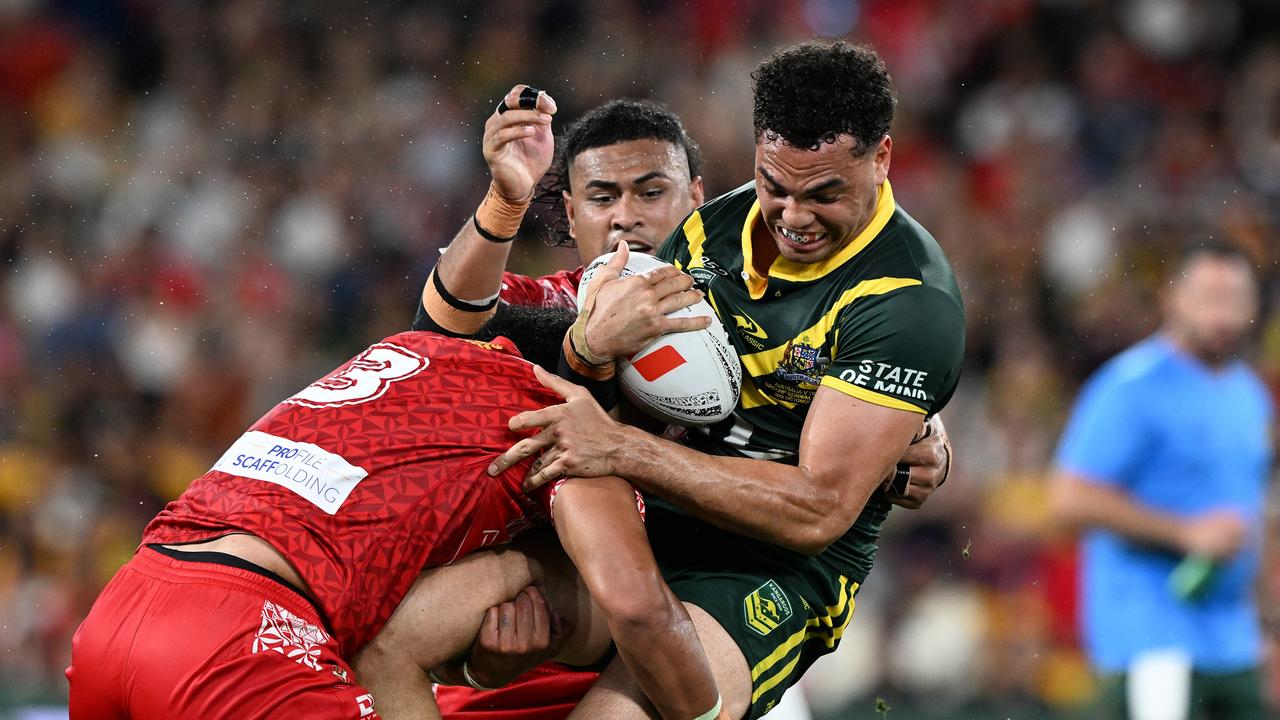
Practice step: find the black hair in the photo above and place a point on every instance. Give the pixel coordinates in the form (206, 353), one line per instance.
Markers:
(609, 124)
(811, 93)
(536, 331)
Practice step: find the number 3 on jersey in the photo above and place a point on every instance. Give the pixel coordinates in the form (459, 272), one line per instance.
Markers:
(365, 378)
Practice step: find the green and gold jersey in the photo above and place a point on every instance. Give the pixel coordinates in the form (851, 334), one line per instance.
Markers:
(880, 320)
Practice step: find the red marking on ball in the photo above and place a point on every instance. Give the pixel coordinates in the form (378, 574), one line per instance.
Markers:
(658, 363)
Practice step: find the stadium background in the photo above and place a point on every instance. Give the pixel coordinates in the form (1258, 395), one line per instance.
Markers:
(204, 205)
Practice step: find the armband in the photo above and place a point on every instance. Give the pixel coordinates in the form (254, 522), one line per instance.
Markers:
(440, 311)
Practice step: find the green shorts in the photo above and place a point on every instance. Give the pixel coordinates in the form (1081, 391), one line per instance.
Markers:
(784, 610)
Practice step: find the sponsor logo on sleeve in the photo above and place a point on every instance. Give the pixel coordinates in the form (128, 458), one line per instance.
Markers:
(889, 379)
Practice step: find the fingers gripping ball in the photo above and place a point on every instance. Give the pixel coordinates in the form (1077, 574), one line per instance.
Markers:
(686, 378)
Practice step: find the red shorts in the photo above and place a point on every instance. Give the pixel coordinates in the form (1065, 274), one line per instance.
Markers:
(547, 692)
(172, 638)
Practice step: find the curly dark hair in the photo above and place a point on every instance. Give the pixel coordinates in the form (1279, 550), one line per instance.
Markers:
(613, 122)
(811, 93)
(536, 331)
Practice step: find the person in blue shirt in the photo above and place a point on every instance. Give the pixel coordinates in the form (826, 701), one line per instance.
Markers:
(1163, 466)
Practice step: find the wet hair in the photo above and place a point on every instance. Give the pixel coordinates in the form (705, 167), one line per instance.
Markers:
(613, 122)
(814, 92)
(535, 331)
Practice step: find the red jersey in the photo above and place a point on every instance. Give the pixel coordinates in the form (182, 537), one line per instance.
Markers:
(373, 473)
(551, 690)
(549, 290)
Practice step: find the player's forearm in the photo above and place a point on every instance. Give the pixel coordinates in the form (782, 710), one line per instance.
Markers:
(472, 266)
(468, 276)
(1084, 504)
(603, 534)
(401, 688)
(776, 503)
(661, 650)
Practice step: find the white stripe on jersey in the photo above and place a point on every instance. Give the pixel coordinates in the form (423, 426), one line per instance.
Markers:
(739, 438)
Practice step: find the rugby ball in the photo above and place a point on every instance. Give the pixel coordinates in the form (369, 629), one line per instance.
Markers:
(686, 378)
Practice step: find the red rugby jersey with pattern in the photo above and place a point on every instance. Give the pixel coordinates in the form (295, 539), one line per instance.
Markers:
(549, 290)
(551, 690)
(374, 472)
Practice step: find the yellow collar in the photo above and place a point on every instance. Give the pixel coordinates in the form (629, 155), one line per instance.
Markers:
(784, 269)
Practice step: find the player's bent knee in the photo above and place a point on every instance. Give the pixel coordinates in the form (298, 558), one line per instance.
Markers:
(728, 664)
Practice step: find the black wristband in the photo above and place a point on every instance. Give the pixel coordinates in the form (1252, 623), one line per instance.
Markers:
(454, 302)
(488, 235)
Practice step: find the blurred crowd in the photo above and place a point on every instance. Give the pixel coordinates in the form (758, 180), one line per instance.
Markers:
(204, 205)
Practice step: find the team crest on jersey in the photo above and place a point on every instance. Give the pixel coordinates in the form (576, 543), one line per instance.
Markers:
(802, 364)
(766, 608)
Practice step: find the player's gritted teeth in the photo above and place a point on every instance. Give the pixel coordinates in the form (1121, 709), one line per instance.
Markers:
(801, 240)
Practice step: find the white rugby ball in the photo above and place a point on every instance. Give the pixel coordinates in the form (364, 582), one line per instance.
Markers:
(685, 378)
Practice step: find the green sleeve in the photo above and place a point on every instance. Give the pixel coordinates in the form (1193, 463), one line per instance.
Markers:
(901, 350)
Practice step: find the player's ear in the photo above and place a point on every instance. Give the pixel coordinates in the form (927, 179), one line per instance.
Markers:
(568, 212)
(696, 191)
(883, 153)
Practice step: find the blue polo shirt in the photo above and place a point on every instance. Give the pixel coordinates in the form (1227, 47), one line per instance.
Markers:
(1183, 438)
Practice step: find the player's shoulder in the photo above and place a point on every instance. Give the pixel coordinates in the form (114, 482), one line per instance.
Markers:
(904, 248)
(735, 203)
(443, 347)
(723, 217)
(1143, 363)
(1254, 386)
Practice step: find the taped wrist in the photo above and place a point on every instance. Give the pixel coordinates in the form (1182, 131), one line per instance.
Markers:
(498, 218)
(597, 379)
(577, 338)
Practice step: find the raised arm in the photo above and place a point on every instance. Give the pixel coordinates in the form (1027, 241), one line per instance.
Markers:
(462, 290)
